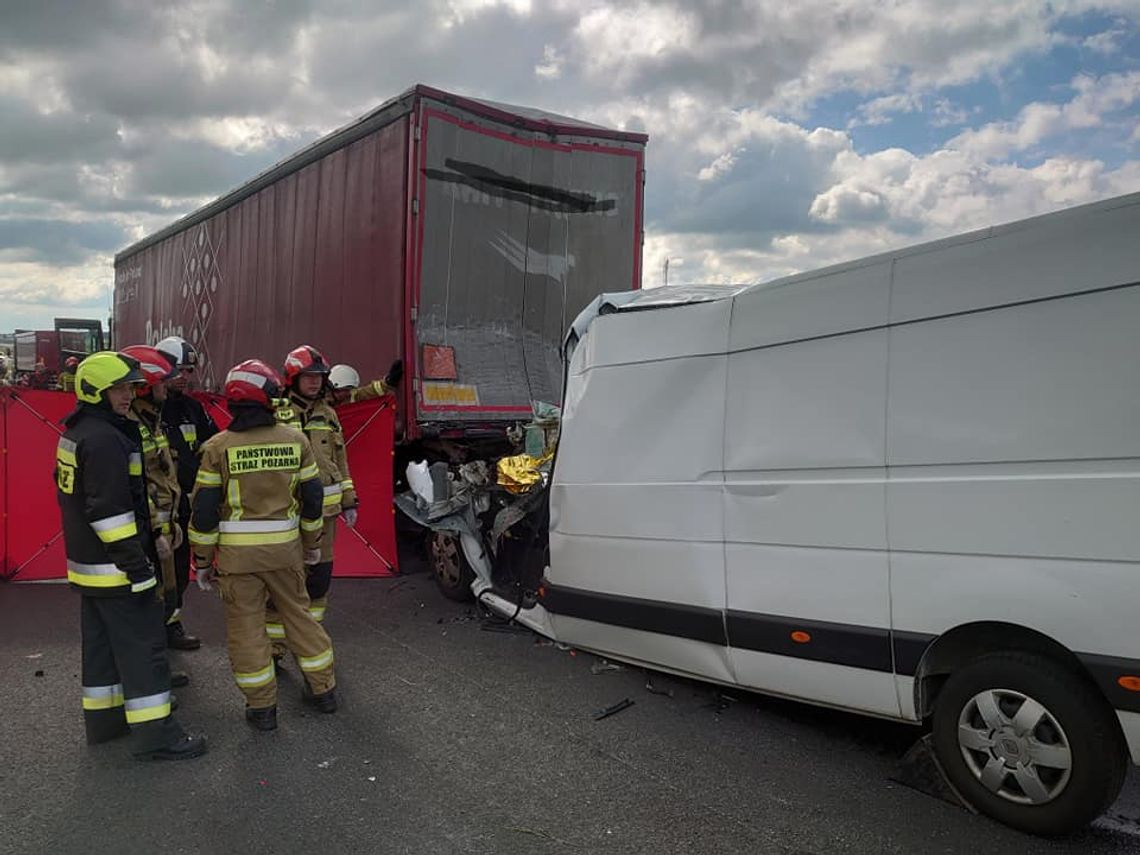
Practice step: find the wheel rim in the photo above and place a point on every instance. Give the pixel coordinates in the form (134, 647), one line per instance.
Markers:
(445, 558)
(1015, 747)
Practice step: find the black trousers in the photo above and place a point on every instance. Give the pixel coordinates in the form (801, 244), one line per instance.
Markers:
(126, 676)
(182, 559)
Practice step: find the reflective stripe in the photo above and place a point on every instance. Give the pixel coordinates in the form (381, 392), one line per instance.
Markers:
(234, 498)
(95, 575)
(313, 525)
(332, 488)
(253, 679)
(275, 630)
(318, 426)
(333, 494)
(318, 613)
(65, 451)
(227, 526)
(138, 587)
(309, 472)
(102, 697)
(258, 539)
(189, 433)
(208, 479)
(118, 527)
(134, 465)
(162, 441)
(347, 484)
(162, 516)
(316, 663)
(201, 538)
(176, 617)
(150, 708)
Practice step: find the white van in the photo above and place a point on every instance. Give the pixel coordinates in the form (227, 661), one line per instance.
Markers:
(907, 486)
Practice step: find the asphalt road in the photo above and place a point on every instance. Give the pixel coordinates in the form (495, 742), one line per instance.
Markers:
(455, 739)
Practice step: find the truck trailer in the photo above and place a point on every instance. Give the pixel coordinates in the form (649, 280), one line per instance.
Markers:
(457, 234)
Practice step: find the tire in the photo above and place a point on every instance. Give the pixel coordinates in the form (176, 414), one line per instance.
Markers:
(449, 566)
(1017, 774)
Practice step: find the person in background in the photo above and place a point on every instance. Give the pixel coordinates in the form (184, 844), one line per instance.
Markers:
(344, 381)
(110, 562)
(163, 491)
(67, 375)
(257, 510)
(187, 426)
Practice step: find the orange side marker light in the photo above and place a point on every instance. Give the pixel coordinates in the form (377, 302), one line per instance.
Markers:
(801, 637)
(1130, 683)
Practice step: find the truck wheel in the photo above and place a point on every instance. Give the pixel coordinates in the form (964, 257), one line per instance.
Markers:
(1028, 742)
(450, 568)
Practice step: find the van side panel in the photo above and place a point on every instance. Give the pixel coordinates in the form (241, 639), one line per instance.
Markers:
(805, 523)
(1014, 471)
(636, 529)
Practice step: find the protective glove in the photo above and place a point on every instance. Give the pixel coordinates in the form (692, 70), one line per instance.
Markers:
(162, 547)
(312, 556)
(175, 535)
(395, 374)
(206, 576)
(349, 515)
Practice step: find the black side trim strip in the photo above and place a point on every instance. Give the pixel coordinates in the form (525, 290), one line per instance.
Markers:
(835, 643)
(1106, 671)
(699, 624)
(909, 648)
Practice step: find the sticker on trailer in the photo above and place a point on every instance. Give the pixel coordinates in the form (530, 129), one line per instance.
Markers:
(450, 394)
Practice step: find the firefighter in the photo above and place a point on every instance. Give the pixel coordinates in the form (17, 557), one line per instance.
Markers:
(306, 371)
(253, 478)
(163, 490)
(67, 375)
(346, 389)
(110, 561)
(187, 426)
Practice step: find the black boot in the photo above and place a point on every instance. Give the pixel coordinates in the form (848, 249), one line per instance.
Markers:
(185, 748)
(325, 703)
(178, 639)
(179, 679)
(262, 719)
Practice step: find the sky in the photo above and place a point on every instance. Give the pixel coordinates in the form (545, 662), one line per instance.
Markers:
(783, 136)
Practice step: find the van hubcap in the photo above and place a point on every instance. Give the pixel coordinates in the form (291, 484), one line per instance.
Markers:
(1014, 746)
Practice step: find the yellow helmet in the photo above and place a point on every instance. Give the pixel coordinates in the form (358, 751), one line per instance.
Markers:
(100, 371)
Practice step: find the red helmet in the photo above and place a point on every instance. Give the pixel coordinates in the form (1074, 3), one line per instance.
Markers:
(156, 368)
(71, 362)
(304, 360)
(253, 381)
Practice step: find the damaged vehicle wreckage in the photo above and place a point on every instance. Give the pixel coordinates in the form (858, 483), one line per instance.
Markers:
(903, 486)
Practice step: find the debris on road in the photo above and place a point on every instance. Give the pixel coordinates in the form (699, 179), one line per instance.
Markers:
(602, 666)
(606, 712)
(654, 690)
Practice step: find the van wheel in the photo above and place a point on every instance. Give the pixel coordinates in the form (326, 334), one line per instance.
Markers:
(1029, 743)
(449, 566)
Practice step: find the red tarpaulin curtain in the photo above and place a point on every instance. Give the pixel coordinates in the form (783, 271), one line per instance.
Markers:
(32, 545)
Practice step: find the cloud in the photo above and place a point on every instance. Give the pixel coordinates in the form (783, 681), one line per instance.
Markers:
(130, 114)
(1096, 100)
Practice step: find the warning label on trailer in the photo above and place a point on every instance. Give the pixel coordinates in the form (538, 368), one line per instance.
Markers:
(450, 395)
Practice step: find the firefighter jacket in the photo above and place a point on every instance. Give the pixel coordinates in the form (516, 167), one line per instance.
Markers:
(320, 423)
(188, 426)
(373, 390)
(162, 487)
(257, 500)
(103, 505)
(67, 381)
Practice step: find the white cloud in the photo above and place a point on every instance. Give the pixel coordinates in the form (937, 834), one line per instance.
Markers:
(1097, 98)
(880, 110)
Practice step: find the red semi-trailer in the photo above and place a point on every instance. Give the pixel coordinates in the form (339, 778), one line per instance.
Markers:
(457, 234)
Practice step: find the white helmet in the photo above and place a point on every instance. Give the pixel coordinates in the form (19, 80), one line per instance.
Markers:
(343, 377)
(178, 351)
